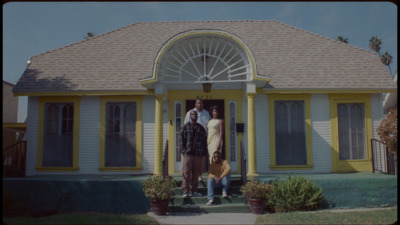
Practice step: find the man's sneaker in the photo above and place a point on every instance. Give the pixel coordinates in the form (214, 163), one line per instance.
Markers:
(185, 195)
(196, 194)
(210, 202)
(224, 195)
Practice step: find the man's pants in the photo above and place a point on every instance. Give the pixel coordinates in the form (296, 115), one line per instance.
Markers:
(211, 184)
(191, 167)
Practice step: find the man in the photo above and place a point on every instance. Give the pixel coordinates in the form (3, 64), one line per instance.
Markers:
(202, 118)
(219, 175)
(203, 115)
(194, 148)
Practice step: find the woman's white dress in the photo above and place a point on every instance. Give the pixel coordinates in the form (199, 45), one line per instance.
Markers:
(213, 137)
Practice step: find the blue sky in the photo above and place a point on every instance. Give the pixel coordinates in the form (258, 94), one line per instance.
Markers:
(33, 28)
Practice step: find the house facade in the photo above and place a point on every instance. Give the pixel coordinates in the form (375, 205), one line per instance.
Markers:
(108, 104)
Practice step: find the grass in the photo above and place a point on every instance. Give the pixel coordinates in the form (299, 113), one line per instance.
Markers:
(370, 216)
(83, 218)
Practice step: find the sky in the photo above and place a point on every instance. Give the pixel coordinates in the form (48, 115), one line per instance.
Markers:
(32, 28)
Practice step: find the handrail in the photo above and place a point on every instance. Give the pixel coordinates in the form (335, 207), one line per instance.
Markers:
(165, 160)
(10, 146)
(14, 160)
(382, 159)
(243, 172)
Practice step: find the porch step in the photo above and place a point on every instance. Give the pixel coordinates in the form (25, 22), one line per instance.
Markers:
(179, 200)
(235, 203)
(217, 208)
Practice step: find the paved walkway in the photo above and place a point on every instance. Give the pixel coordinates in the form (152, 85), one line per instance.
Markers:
(211, 218)
(229, 218)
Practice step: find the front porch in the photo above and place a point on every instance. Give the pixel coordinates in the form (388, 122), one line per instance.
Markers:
(43, 195)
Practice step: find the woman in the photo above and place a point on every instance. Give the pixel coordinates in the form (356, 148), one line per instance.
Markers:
(215, 131)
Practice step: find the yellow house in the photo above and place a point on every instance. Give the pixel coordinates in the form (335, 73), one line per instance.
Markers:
(107, 104)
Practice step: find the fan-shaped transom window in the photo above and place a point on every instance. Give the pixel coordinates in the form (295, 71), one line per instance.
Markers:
(202, 58)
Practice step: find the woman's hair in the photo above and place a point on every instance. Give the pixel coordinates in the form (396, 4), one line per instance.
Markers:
(212, 109)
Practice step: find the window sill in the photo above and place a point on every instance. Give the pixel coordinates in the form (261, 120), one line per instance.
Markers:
(57, 169)
(120, 169)
(294, 167)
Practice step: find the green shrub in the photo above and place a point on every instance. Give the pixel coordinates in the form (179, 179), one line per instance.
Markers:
(256, 190)
(158, 187)
(295, 194)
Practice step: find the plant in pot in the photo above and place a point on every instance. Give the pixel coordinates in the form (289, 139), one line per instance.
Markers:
(257, 193)
(159, 190)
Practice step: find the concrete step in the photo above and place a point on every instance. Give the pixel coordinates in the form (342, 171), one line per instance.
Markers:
(215, 208)
(179, 200)
(233, 190)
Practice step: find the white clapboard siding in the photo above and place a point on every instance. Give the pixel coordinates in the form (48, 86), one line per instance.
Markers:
(262, 133)
(321, 134)
(376, 112)
(89, 135)
(32, 127)
(148, 117)
(376, 116)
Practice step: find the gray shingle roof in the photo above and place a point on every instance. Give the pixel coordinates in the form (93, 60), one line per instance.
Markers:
(118, 60)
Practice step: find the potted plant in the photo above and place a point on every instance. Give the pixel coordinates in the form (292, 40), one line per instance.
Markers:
(159, 190)
(257, 194)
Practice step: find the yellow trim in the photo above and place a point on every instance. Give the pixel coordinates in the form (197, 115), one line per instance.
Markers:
(182, 96)
(158, 142)
(14, 125)
(294, 167)
(87, 93)
(193, 33)
(350, 165)
(306, 99)
(251, 137)
(323, 91)
(103, 102)
(75, 154)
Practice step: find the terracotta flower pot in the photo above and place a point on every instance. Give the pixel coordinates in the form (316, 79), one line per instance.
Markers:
(159, 207)
(257, 206)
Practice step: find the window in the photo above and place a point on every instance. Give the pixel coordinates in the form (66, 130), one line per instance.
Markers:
(178, 126)
(232, 131)
(351, 131)
(121, 133)
(58, 135)
(120, 146)
(290, 137)
(290, 131)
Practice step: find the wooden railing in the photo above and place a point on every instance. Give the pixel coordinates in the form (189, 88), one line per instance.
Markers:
(14, 160)
(382, 159)
(243, 171)
(165, 160)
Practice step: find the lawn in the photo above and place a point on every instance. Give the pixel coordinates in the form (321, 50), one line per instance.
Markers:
(83, 218)
(368, 216)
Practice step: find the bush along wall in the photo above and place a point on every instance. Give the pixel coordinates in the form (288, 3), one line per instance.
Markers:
(295, 194)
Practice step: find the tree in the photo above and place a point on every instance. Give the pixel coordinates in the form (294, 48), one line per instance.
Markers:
(375, 44)
(89, 35)
(387, 131)
(342, 39)
(386, 59)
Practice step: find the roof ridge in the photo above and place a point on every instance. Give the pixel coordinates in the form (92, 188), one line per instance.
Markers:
(319, 35)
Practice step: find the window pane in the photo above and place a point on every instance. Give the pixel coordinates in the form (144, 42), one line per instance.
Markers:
(178, 124)
(290, 138)
(232, 131)
(58, 144)
(351, 131)
(120, 146)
